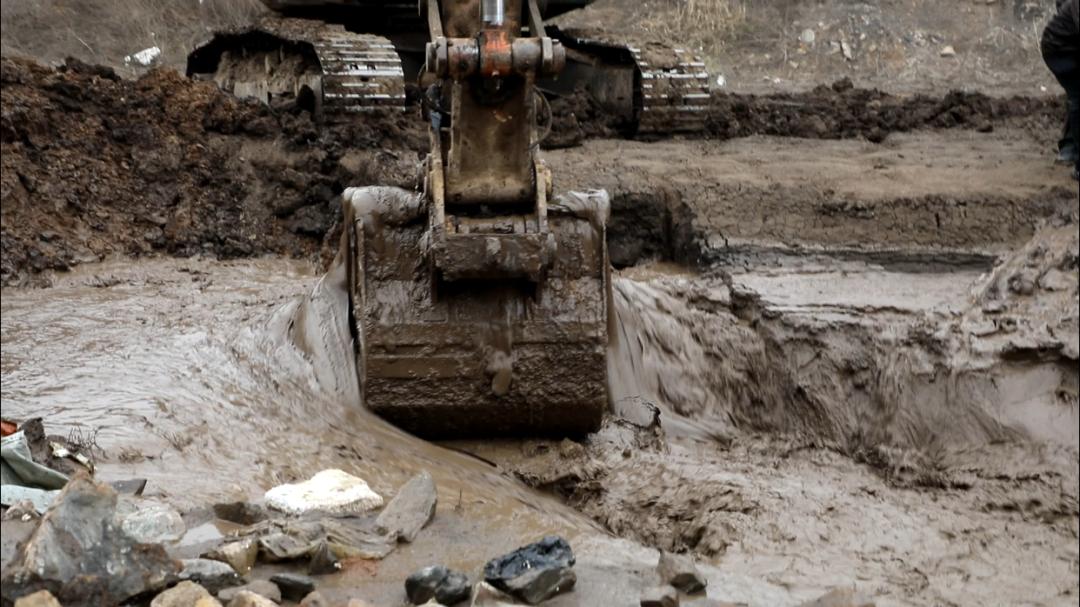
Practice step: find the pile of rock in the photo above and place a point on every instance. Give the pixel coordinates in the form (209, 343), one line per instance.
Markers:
(94, 547)
(531, 574)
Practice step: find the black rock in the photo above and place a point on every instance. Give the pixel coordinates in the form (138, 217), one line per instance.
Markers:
(293, 586)
(534, 573)
(444, 585)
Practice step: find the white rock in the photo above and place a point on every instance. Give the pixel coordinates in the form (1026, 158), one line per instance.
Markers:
(328, 491)
(807, 36)
(948, 51)
(144, 57)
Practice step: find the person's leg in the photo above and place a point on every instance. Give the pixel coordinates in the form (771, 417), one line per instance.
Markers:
(1066, 69)
(1067, 146)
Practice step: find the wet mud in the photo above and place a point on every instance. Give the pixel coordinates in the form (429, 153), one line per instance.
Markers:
(835, 362)
(95, 165)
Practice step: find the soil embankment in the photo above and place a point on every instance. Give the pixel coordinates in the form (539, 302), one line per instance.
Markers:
(96, 165)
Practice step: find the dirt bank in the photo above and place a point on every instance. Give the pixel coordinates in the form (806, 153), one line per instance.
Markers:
(95, 165)
(837, 111)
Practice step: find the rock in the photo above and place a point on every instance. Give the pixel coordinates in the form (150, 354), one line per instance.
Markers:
(41, 598)
(276, 547)
(24, 510)
(358, 603)
(948, 51)
(410, 510)
(250, 599)
(131, 486)
(660, 596)
(1056, 280)
(439, 583)
(486, 595)
(323, 560)
(839, 597)
(293, 586)
(314, 600)
(534, 573)
(151, 522)
(212, 575)
(263, 588)
(680, 571)
(241, 513)
(239, 555)
(807, 36)
(79, 550)
(185, 594)
(328, 491)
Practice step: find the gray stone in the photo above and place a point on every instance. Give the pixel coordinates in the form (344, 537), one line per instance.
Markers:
(437, 582)
(131, 486)
(534, 573)
(185, 594)
(294, 586)
(212, 575)
(410, 510)
(79, 550)
(323, 560)
(150, 522)
(41, 598)
(250, 599)
(240, 555)
(263, 588)
(275, 547)
(680, 571)
(660, 596)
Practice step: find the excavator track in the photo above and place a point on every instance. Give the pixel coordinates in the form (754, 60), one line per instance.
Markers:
(670, 87)
(346, 72)
(674, 89)
(360, 72)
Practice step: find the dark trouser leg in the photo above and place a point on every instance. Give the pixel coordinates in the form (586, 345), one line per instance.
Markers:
(1066, 69)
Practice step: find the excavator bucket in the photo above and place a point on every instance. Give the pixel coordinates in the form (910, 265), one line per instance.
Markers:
(469, 357)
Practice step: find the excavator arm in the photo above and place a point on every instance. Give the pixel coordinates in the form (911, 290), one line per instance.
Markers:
(481, 307)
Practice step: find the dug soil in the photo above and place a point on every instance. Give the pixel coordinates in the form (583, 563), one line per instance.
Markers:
(96, 165)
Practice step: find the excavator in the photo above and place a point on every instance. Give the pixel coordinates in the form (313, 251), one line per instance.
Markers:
(480, 304)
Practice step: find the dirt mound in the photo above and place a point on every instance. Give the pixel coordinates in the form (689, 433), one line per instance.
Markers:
(838, 111)
(94, 164)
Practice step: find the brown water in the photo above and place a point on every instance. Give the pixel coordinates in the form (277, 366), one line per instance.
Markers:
(219, 380)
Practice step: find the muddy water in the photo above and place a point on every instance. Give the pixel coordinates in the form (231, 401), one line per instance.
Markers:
(219, 380)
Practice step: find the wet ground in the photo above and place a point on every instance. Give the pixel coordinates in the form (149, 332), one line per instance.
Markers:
(217, 380)
(837, 362)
